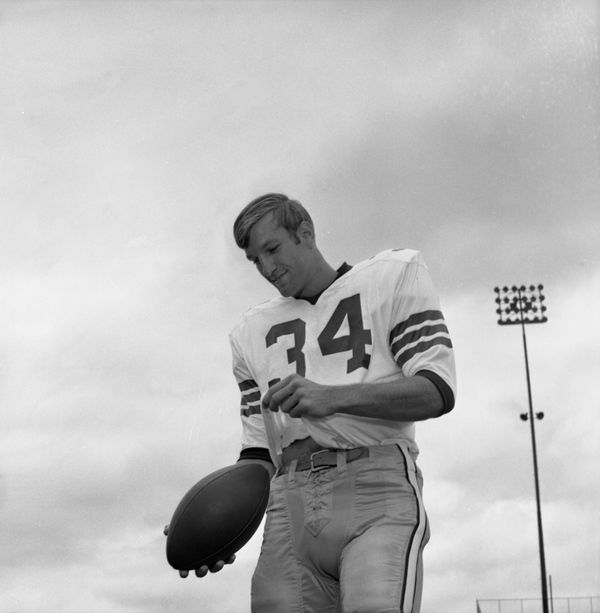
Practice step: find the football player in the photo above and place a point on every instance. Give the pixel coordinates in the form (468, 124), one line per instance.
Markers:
(333, 374)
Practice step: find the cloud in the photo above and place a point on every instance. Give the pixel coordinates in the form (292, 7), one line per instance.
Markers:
(494, 153)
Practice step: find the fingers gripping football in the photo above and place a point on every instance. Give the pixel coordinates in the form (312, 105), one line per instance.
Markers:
(203, 570)
(299, 396)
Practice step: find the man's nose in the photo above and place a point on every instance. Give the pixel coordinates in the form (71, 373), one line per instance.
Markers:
(267, 266)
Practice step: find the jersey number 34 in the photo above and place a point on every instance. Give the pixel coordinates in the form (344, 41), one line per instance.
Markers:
(355, 341)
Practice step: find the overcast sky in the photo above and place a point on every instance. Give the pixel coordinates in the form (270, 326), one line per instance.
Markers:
(132, 133)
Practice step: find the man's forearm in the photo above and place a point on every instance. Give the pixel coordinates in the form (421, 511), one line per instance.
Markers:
(268, 465)
(399, 399)
(406, 399)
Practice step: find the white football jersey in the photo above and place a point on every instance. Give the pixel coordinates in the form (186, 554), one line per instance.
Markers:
(379, 321)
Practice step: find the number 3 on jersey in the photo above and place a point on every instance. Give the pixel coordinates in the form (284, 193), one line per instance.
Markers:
(355, 341)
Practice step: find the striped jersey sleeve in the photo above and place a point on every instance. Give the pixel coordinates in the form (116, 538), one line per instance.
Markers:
(253, 426)
(419, 339)
(250, 402)
(417, 334)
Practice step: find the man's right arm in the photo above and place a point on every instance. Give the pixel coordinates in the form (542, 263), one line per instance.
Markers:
(268, 465)
(257, 455)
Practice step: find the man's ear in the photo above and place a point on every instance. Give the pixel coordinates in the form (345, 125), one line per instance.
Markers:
(306, 233)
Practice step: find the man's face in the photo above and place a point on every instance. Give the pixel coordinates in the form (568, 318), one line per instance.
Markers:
(281, 258)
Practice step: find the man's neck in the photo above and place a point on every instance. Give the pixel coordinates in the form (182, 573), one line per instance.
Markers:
(323, 276)
(313, 297)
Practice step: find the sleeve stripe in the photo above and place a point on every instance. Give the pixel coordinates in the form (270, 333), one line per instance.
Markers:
(418, 334)
(250, 403)
(251, 410)
(406, 354)
(246, 385)
(251, 397)
(414, 320)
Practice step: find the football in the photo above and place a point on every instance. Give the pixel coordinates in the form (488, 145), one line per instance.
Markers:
(218, 516)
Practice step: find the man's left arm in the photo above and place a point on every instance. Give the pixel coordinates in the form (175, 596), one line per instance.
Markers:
(402, 399)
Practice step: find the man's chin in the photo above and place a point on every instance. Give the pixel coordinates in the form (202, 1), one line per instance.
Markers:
(283, 289)
(284, 292)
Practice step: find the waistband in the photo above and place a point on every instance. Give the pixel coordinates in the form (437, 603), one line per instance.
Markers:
(323, 459)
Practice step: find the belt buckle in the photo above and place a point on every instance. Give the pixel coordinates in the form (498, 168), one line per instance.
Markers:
(313, 468)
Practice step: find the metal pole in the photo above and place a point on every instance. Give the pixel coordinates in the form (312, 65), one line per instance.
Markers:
(522, 305)
(535, 472)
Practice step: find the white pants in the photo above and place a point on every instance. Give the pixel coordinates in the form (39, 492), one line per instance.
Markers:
(346, 539)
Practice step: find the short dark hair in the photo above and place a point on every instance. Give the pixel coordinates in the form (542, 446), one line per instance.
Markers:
(288, 213)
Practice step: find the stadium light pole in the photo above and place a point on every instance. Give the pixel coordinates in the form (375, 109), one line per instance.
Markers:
(523, 305)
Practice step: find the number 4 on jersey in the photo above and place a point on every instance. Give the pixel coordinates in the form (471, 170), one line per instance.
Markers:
(357, 339)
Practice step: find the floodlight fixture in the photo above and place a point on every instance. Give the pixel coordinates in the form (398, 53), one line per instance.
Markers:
(520, 305)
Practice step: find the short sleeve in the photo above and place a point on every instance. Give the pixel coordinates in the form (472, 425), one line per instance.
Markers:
(419, 339)
(253, 426)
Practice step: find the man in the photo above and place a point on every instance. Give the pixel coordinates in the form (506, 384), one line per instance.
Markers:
(333, 374)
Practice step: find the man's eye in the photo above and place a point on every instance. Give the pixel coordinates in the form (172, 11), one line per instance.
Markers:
(273, 249)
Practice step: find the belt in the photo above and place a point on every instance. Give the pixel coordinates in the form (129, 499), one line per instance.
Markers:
(327, 458)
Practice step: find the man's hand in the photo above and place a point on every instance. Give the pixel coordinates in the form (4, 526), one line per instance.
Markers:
(298, 396)
(203, 570)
